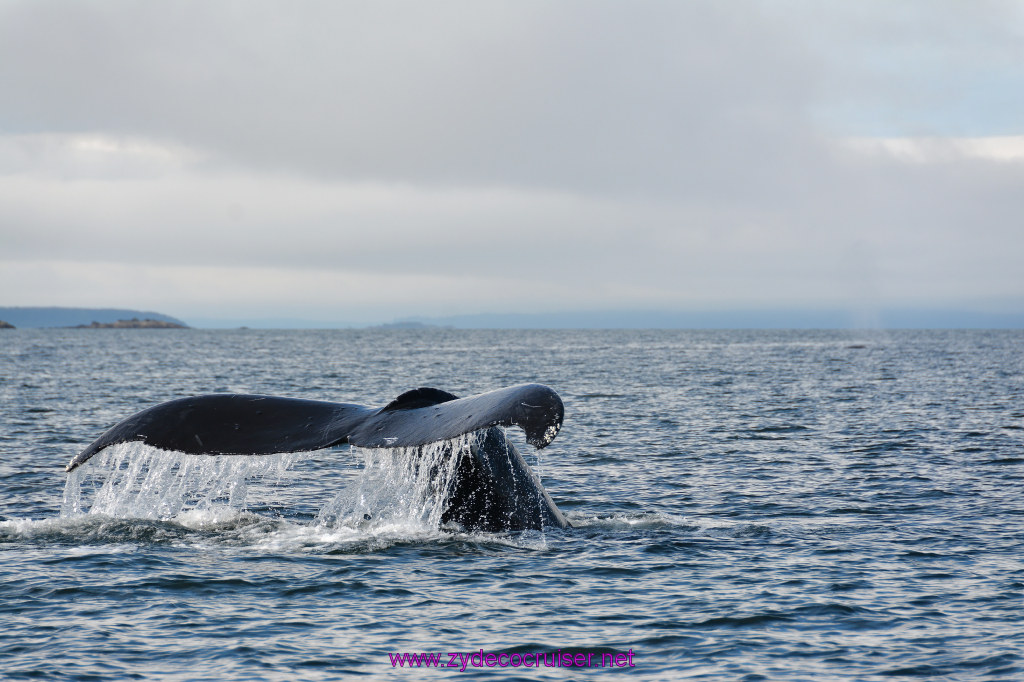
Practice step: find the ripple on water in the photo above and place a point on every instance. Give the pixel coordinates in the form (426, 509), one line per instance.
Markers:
(747, 505)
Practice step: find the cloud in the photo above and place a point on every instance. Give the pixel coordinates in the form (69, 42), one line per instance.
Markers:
(502, 156)
(942, 230)
(1009, 148)
(575, 95)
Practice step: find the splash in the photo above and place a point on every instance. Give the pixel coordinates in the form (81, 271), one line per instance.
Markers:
(131, 480)
(398, 492)
(403, 488)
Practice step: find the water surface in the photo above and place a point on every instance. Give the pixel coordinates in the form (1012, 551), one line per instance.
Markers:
(747, 505)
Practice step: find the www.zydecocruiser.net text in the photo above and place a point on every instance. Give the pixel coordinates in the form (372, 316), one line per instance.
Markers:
(538, 659)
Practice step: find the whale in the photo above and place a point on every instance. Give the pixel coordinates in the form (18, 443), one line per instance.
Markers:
(493, 488)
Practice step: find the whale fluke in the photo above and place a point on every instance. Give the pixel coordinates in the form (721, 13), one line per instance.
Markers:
(494, 490)
(240, 424)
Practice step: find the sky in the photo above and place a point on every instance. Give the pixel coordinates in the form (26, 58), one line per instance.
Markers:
(363, 162)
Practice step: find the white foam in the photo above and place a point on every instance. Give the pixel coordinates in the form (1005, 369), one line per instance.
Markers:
(632, 520)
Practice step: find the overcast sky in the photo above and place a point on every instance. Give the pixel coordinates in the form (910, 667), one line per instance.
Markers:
(368, 161)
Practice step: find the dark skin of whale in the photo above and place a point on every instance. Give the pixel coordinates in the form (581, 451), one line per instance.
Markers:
(493, 490)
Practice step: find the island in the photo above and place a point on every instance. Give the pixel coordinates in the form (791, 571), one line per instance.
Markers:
(6, 325)
(55, 318)
(408, 324)
(134, 323)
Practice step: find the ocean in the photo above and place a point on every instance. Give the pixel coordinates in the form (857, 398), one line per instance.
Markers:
(746, 505)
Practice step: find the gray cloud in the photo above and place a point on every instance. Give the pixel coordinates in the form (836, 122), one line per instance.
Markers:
(542, 154)
(576, 95)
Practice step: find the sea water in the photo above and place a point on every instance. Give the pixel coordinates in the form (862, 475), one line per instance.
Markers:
(747, 505)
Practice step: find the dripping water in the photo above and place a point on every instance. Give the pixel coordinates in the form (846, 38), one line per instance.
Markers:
(537, 475)
(131, 480)
(396, 490)
(401, 487)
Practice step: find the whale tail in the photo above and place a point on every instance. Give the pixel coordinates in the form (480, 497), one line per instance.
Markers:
(494, 489)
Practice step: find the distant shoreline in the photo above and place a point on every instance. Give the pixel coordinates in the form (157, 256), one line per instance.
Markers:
(133, 323)
(889, 319)
(103, 318)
